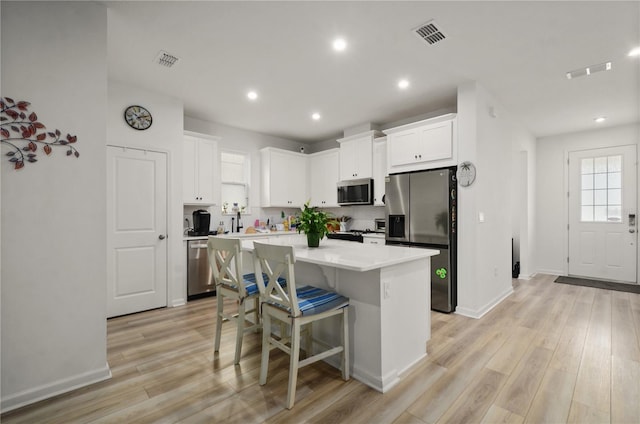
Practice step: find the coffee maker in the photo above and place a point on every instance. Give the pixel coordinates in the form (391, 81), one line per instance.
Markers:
(201, 221)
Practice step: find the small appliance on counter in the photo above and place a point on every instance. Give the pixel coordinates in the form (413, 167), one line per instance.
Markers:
(380, 224)
(201, 221)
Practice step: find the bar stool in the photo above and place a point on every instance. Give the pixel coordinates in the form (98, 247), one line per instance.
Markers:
(225, 258)
(296, 306)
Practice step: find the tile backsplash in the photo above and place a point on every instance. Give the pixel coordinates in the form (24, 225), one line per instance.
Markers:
(362, 217)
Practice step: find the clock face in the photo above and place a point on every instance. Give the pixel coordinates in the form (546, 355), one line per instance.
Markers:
(466, 174)
(138, 117)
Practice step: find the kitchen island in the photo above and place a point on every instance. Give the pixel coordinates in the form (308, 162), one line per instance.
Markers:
(390, 301)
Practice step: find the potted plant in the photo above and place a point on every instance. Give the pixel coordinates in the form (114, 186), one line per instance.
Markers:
(313, 223)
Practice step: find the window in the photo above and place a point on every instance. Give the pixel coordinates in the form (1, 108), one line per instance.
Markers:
(234, 169)
(601, 197)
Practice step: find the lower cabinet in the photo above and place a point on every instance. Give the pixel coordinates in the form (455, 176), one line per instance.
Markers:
(373, 239)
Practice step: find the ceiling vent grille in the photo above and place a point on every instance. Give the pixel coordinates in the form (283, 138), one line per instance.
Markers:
(430, 33)
(583, 72)
(165, 59)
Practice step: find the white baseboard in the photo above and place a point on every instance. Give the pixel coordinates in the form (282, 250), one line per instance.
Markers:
(178, 302)
(551, 272)
(369, 379)
(480, 312)
(46, 391)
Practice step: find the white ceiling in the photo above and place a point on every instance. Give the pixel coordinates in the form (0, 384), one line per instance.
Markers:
(519, 51)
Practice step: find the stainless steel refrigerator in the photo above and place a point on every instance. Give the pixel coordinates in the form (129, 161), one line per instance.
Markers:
(421, 212)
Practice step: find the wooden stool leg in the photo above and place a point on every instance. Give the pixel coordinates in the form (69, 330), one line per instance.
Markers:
(345, 343)
(308, 339)
(256, 313)
(293, 363)
(218, 321)
(240, 332)
(266, 337)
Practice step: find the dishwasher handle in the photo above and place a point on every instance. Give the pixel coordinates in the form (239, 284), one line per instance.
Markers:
(197, 245)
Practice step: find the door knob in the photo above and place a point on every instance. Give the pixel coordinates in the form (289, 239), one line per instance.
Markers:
(161, 237)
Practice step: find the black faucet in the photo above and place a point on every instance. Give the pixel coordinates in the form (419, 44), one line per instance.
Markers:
(238, 223)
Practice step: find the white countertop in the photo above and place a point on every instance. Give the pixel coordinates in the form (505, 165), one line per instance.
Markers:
(348, 254)
(244, 235)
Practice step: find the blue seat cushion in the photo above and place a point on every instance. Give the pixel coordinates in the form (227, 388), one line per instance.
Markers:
(313, 300)
(251, 285)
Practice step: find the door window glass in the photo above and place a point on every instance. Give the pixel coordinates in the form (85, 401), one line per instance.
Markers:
(601, 189)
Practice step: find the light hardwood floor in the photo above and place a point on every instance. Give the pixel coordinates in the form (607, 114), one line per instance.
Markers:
(550, 353)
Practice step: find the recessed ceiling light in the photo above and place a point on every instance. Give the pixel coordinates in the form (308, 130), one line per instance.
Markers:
(252, 95)
(403, 83)
(339, 44)
(315, 116)
(635, 52)
(600, 119)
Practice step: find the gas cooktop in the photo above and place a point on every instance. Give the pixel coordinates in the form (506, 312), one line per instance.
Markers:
(353, 235)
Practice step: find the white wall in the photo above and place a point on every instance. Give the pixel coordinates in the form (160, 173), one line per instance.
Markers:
(484, 248)
(53, 211)
(164, 135)
(523, 198)
(551, 215)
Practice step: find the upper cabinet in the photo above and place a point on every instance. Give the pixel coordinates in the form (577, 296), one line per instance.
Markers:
(379, 169)
(284, 178)
(323, 178)
(199, 164)
(426, 144)
(356, 156)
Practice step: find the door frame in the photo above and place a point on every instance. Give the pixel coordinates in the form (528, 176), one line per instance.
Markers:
(565, 203)
(171, 235)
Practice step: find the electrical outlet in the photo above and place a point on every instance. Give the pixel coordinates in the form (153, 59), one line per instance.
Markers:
(495, 271)
(387, 290)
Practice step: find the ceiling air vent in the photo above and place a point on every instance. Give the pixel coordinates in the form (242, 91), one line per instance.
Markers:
(430, 33)
(165, 59)
(583, 72)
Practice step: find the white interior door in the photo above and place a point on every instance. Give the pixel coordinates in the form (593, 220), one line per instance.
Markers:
(136, 230)
(602, 213)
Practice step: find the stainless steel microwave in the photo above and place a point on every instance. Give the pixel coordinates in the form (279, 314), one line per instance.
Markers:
(355, 192)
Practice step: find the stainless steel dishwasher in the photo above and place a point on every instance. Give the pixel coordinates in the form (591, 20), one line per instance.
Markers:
(199, 275)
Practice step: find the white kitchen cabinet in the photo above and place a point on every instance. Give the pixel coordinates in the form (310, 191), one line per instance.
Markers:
(200, 177)
(284, 178)
(379, 169)
(356, 156)
(374, 238)
(323, 178)
(426, 144)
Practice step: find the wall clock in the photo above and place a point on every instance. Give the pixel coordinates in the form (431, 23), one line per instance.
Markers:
(466, 174)
(138, 117)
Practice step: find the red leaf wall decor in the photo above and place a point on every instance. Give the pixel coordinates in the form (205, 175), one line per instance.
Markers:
(23, 144)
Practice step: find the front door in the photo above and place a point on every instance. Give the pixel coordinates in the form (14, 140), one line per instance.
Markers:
(603, 213)
(136, 230)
